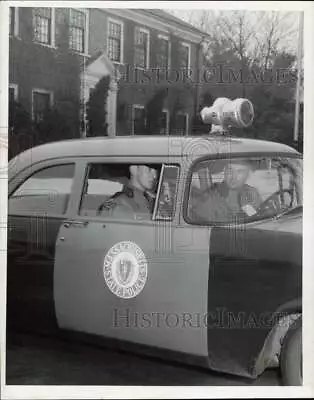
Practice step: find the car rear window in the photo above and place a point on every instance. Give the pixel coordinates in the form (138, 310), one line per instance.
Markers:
(46, 191)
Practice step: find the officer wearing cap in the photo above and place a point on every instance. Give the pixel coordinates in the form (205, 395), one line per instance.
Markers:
(233, 198)
(238, 195)
(137, 198)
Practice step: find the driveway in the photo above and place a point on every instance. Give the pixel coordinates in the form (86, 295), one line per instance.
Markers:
(33, 360)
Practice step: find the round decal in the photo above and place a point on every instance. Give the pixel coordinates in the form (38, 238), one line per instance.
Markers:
(125, 269)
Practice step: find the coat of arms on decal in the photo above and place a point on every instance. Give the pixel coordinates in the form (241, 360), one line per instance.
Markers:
(125, 269)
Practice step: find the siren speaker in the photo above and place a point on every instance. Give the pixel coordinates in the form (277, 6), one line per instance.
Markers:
(224, 112)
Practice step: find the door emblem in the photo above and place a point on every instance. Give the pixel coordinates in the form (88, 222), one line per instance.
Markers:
(125, 269)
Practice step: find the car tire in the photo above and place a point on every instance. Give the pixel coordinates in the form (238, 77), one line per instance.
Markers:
(291, 355)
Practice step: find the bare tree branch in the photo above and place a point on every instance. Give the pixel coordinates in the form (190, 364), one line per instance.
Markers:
(254, 36)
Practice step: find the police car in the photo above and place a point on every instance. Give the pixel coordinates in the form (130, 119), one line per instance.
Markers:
(183, 247)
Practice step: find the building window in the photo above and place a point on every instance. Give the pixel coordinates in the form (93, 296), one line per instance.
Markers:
(115, 40)
(13, 92)
(164, 123)
(138, 120)
(43, 23)
(77, 30)
(181, 124)
(163, 52)
(185, 55)
(141, 48)
(42, 102)
(14, 21)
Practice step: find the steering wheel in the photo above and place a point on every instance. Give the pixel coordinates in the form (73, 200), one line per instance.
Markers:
(275, 203)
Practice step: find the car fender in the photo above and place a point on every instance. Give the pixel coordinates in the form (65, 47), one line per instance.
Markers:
(270, 352)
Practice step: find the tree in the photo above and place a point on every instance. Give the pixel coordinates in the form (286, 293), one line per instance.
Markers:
(198, 126)
(250, 44)
(153, 111)
(254, 34)
(20, 129)
(55, 125)
(176, 99)
(276, 31)
(68, 82)
(96, 108)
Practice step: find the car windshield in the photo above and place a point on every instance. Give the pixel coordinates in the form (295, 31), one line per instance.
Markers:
(238, 190)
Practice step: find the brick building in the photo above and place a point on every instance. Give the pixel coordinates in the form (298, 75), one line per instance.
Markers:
(58, 55)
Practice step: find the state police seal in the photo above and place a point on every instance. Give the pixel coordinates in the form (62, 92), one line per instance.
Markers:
(125, 269)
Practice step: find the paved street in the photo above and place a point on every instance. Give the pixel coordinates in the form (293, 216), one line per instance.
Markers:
(45, 361)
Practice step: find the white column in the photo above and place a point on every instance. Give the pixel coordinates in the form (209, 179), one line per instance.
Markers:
(112, 108)
(89, 83)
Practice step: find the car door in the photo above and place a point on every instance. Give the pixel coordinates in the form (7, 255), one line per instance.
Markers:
(37, 205)
(134, 280)
(254, 260)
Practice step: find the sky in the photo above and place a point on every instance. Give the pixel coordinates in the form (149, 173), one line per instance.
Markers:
(288, 28)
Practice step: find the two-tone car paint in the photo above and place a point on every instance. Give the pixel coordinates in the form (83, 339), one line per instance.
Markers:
(199, 278)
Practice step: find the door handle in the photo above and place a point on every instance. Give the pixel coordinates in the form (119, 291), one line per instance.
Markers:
(67, 224)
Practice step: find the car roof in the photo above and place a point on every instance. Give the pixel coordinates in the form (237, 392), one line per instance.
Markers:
(148, 146)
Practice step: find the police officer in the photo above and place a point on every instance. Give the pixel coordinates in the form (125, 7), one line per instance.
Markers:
(239, 196)
(233, 198)
(136, 200)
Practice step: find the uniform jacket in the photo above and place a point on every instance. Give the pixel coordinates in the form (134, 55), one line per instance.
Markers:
(130, 202)
(214, 206)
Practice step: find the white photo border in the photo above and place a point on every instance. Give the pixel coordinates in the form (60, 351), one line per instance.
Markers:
(97, 392)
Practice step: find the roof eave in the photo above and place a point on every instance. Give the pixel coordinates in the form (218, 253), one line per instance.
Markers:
(152, 21)
(175, 20)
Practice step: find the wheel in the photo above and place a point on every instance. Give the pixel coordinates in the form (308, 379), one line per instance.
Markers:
(291, 355)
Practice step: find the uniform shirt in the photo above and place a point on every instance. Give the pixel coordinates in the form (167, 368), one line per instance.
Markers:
(227, 205)
(129, 203)
(232, 201)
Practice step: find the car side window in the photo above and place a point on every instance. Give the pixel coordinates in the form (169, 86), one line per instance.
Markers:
(129, 191)
(167, 193)
(45, 192)
(120, 191)
(102, 182)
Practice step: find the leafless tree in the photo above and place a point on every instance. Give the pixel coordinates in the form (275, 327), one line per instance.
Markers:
(277, 33)
(256, 37)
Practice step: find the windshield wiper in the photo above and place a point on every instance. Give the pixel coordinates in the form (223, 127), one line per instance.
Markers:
(289, 211)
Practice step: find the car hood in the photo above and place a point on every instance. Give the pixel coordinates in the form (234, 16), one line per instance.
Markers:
(272, 241)
(289, 223)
